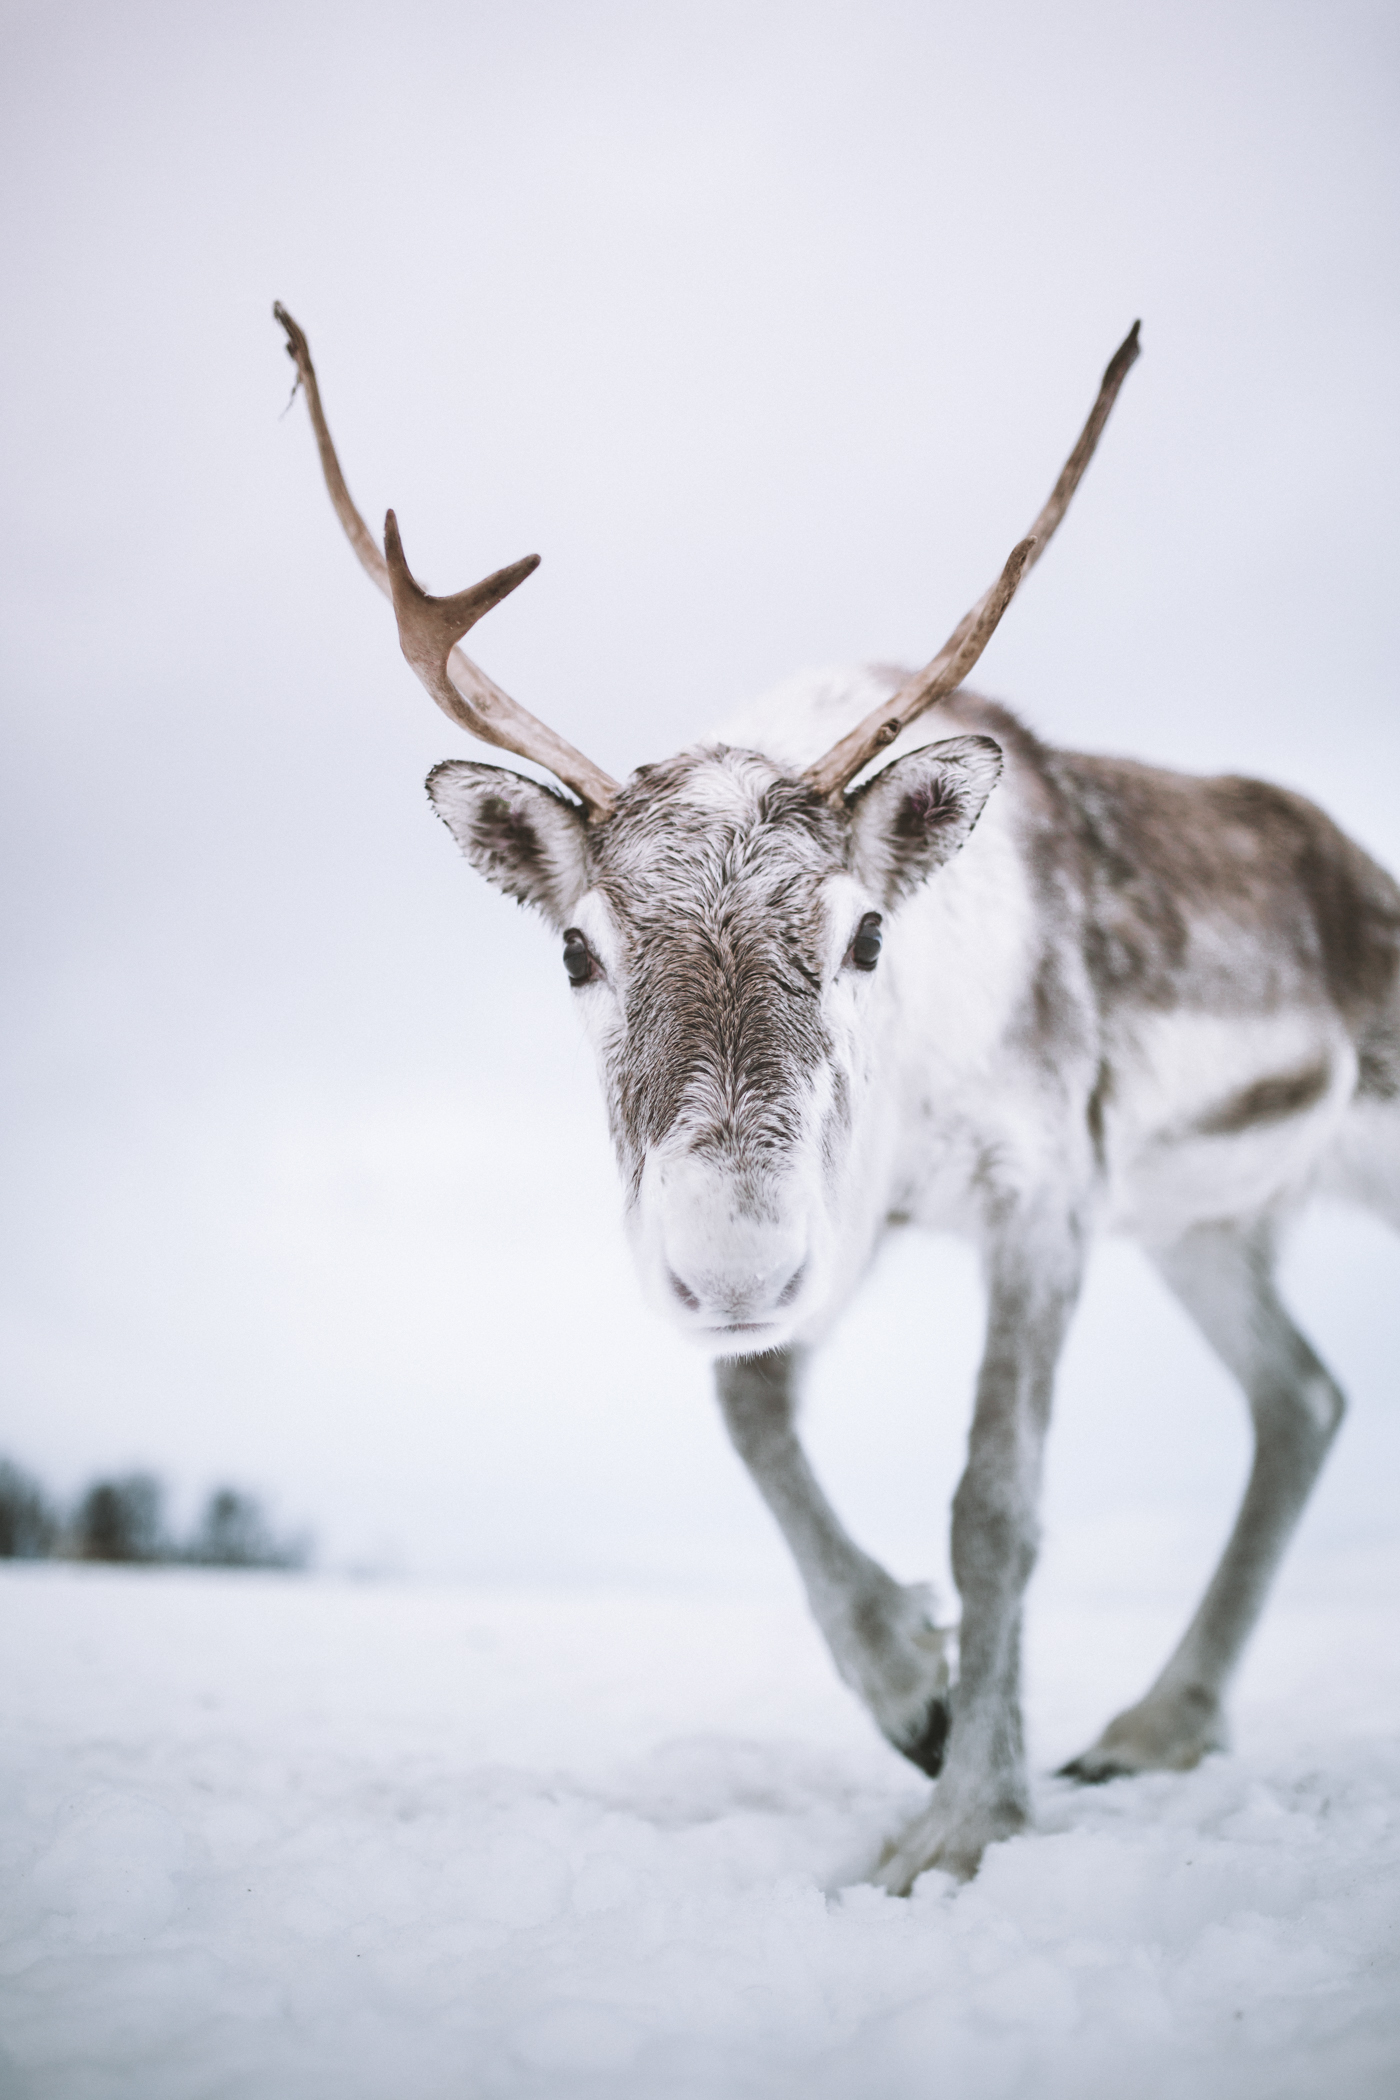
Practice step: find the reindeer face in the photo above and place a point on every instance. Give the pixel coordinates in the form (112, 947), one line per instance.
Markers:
(723, 930)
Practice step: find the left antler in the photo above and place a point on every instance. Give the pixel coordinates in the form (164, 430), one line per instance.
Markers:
(973, 632)
(430, 628)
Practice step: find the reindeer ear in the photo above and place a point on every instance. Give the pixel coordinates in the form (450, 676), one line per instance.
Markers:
(916, 815)
(519, 835)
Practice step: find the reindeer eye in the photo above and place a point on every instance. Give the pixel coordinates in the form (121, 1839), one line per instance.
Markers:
(865, 948)
(578, 960)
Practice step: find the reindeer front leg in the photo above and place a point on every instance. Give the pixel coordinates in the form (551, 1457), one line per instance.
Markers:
(880, 1634)
(1033, 1282)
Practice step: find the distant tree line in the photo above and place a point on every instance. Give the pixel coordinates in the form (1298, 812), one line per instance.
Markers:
(123, 1520)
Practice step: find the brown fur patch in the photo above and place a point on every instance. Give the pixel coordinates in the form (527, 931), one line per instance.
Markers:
(1267, 1101)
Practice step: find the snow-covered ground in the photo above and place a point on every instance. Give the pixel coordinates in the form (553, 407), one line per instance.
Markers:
(279, 1838)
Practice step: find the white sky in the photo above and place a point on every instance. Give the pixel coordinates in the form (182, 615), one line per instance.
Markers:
(768, 327)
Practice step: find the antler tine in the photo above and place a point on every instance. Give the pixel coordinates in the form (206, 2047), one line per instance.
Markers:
(430, 628)
(356, 530)
(831, 774)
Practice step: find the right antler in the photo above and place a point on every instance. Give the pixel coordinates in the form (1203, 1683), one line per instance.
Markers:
(430, 628)
(975, 629)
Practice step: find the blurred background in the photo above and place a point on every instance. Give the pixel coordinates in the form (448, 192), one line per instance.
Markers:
(768, 326)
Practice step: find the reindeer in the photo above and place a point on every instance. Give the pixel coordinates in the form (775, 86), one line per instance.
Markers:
(989, 986)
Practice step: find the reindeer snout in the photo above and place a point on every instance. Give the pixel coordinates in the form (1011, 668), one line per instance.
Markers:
(733, 1300)
(734, 1263)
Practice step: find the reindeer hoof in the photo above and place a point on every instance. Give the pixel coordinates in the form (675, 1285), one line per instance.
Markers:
(1094, 1769)
(946, 1838)
(927, 1748)
(1159, 1735)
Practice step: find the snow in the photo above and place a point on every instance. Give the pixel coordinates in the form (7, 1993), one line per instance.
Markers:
(288, 1837)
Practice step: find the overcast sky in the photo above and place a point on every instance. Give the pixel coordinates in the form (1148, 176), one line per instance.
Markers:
(768, 327)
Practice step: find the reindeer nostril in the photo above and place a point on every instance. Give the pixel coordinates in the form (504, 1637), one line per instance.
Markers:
(793, 1285)
(687, 1297)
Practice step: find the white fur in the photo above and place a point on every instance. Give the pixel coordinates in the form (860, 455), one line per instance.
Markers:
(917, 1042)
(1163, 1179)
(990, 1089)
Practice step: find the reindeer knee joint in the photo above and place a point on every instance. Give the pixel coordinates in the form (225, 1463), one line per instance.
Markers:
(994, 1540)
(1325, 1402)
(1304, 1414)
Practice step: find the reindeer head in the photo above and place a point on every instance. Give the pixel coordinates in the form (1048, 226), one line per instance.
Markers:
(722, 933)
(722, 925)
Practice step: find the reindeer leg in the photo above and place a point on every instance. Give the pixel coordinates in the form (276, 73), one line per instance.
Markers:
(880, 1634)
(1223, 1276)
(1033, 1282)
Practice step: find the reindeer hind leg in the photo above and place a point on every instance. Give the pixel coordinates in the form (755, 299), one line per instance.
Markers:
(1223, 1276)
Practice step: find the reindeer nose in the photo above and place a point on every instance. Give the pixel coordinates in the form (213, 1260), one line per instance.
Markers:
(732, 1253)
(739, 1298)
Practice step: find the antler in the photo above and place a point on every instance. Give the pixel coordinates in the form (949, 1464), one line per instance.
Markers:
(430, 628)
(973, 632)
